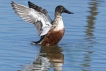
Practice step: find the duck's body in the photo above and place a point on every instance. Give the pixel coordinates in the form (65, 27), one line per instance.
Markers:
(55, 34)
(51, 32)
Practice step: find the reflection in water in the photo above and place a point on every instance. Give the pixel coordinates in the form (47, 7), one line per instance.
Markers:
(48, 57)
(91, 19)
(89, 35)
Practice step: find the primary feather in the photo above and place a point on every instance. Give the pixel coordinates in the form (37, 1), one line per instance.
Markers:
(42, 21)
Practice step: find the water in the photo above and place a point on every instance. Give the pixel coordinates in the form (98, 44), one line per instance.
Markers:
(83, 47)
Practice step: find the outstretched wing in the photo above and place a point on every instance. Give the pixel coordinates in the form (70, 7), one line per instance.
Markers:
(30, 15)
(39, 9)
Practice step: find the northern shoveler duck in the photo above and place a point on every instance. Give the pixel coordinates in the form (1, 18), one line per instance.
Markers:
(50, 31)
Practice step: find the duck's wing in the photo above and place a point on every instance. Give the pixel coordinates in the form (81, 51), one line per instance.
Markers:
(31, 15)
(39, 9)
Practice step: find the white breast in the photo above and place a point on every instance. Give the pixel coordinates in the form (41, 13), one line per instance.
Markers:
(59, 24)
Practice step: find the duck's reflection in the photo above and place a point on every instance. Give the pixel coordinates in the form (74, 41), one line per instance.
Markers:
(47, 58)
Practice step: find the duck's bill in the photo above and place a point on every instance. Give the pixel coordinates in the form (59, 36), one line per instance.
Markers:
(67, 11)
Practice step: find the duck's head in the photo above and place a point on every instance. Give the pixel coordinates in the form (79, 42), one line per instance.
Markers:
(61, 9)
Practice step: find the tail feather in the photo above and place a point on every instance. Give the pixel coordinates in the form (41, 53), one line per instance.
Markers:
(40, 41)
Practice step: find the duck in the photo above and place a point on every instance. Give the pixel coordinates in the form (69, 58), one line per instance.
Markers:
(50, 31)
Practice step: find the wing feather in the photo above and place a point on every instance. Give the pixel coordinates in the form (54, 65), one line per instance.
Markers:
(39, 9)
(30, 15)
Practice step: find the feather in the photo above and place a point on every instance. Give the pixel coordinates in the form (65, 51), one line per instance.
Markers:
(30, 15)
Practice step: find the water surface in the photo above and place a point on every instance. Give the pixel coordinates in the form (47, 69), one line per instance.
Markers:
(83, 47)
